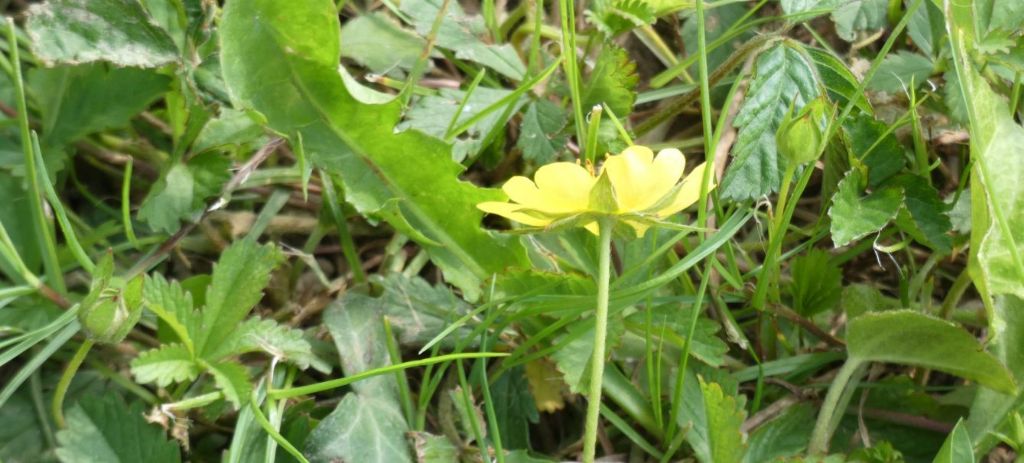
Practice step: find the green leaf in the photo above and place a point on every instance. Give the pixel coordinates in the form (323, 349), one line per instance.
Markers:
(82, 31)
(357, 328)
(237, 285)
(169, 200)
(724, 419)
(802, 6)
(673, 321)
(282, 60)
(103, 429)
(417, 310)
(927, 28)
(22, 438)
(232, 379)
(879, 152)
(576, 350)
(230, 128)
(783, 77)
(858, 15)
(990, 410)
(173, 305)
(841, 84)
(718, 21)
(261, 335)
(613, 17)
(514, 408)
(924, 214)
(460, 34)
(75, 101)
(374, 40)
(784, 436)
(433, 114)
(613, 81)
(364, 428)
(854, 217)
(910, 338)
(169, 363)
(957, 448)
(817, 283)
(541, 137)
(898, 70)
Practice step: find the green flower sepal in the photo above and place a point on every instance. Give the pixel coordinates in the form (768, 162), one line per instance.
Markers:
(113, 305)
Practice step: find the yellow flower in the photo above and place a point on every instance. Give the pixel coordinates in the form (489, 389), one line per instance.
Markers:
(643, 189)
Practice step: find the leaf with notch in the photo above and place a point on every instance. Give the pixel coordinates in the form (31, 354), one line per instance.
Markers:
(613, 81)
(232, 379)
(854, 216)
(172, 305)
(898, 70)
(362, 429)
(879, 152)
(924, 215)
(282, 60)
(82, 31)
(724, 419)
(169, 363)
(783, 77)
(239, 277)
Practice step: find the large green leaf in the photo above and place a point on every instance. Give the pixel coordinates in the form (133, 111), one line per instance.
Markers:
(377, 42)
(281, 59)
(362, 429)
(82, 31)
(991, 409)
(783, 77)
(853, 216)
(910, 338)
(106, 430)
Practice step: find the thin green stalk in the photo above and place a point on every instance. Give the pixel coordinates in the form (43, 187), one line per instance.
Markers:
(600, 335)
(505, 101)
(126, 204)
(567, 10)
(44, 231)
(269, 428)
(469, 406)
(623, 134)
(194, 402)
(36, 391)
(449, 136)
(404, 393)
(58, 209)
(677, 391)
(705, 115)
(10, 255)
(593, 126)
(775, 235)
(832, 407)
(348, 247)
(336, 383)
(538, 20)
(65, 381)
(421, 63)
(485, 388)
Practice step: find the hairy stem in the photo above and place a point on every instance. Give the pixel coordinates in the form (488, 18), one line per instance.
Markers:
(600, 335)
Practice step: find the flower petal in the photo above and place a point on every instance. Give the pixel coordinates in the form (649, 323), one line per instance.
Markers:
(564, 186)
(512, 212)
(523, 191)
(689, 191)
(640, 180)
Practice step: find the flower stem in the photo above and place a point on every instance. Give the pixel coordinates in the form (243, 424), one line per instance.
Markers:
(835, 401)
(600, 335)
(65, 382)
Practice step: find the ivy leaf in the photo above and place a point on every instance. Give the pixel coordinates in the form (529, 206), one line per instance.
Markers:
(103, 429)
(541, 137)
(75, 101)
(898, 70)
(282, 60)
(575, 351)
(365, 429)
(460, 34)
(817, 283)
(673, 321)
(858, 15)
(239, 277)
(232, 379)
(83, 31)
(910, 338)
(613, 81)
(169, 363)
(854, 217)
(724, 419)
(783, 77)
(358, 332)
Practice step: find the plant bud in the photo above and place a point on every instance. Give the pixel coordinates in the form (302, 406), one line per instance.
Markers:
(113, 306)
(799, 138)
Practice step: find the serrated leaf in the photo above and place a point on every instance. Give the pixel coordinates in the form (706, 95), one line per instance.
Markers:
(75, 101)
(460, 34)
(817, 283)
(724, 419)
(854, 217)
(365, 429)
(924, 214)
(103, 429)
(540, 134)
(282, 60)
(957, 448)
(232, 379)
(514, 408)
(910, 338)
(898, 70)
(377, 42)
(783, 77)
(173, 305)
(613, 81)
(82, 31)
(614, 17)
(879, 152)
(169, 363)
(858, 15)
(257, 334)
(576, 349)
